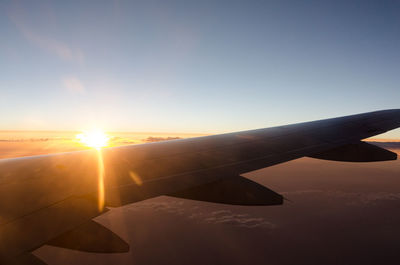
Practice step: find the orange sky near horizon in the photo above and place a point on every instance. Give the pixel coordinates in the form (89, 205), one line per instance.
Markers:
(29, 143)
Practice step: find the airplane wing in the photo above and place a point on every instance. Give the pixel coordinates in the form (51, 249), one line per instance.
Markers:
(51, 199)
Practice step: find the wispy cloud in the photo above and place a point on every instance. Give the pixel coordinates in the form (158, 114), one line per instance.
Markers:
(350, 198)
(60, 49)
(73, 85)
(227, 217)
(216, 217)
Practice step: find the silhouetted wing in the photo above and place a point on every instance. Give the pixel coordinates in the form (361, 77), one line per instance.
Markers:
(44, 198)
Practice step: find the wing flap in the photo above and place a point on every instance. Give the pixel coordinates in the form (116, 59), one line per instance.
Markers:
(33, 230)
(357, 152)
(234, 190)
(91, 237)
(26, 258)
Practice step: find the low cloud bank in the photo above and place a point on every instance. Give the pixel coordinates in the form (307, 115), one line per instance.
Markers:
(152, 139)
(205, 215)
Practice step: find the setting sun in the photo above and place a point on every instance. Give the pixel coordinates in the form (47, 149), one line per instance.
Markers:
(95, 139)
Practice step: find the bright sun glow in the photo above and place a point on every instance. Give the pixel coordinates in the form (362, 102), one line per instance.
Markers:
(95, 139)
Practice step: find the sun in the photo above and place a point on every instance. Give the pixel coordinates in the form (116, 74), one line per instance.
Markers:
(94, 139)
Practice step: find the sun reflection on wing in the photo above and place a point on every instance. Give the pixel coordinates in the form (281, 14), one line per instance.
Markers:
(100, 183)
(97, 140)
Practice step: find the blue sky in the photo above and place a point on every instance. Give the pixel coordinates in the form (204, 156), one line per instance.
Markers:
(194, 66)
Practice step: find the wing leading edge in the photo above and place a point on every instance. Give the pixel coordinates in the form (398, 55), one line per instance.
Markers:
(50, 195)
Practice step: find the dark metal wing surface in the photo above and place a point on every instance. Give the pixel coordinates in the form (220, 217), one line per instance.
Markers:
(44, 197)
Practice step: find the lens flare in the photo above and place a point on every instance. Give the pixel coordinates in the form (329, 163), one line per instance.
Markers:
(94, 139)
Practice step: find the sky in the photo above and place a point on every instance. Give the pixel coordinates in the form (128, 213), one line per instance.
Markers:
(194, 66)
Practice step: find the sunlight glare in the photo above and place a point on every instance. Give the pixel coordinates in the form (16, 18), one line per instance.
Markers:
(94, 139)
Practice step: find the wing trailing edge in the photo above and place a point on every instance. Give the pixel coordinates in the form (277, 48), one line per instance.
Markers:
(91, 237)
(26, 259)
(234, 190)
(357, 152)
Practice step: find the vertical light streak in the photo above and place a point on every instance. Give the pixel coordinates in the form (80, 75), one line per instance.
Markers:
(100, 184)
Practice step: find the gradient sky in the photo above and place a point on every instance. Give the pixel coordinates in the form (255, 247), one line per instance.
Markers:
(194, 66)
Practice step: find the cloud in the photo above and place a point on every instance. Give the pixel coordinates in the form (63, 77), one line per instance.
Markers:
(170, 206)
(351, 198)
(73, 85)
(216, 217)
(227, 217)
(368, 199)
(301, 192)
(152, 139)
(60, 49)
